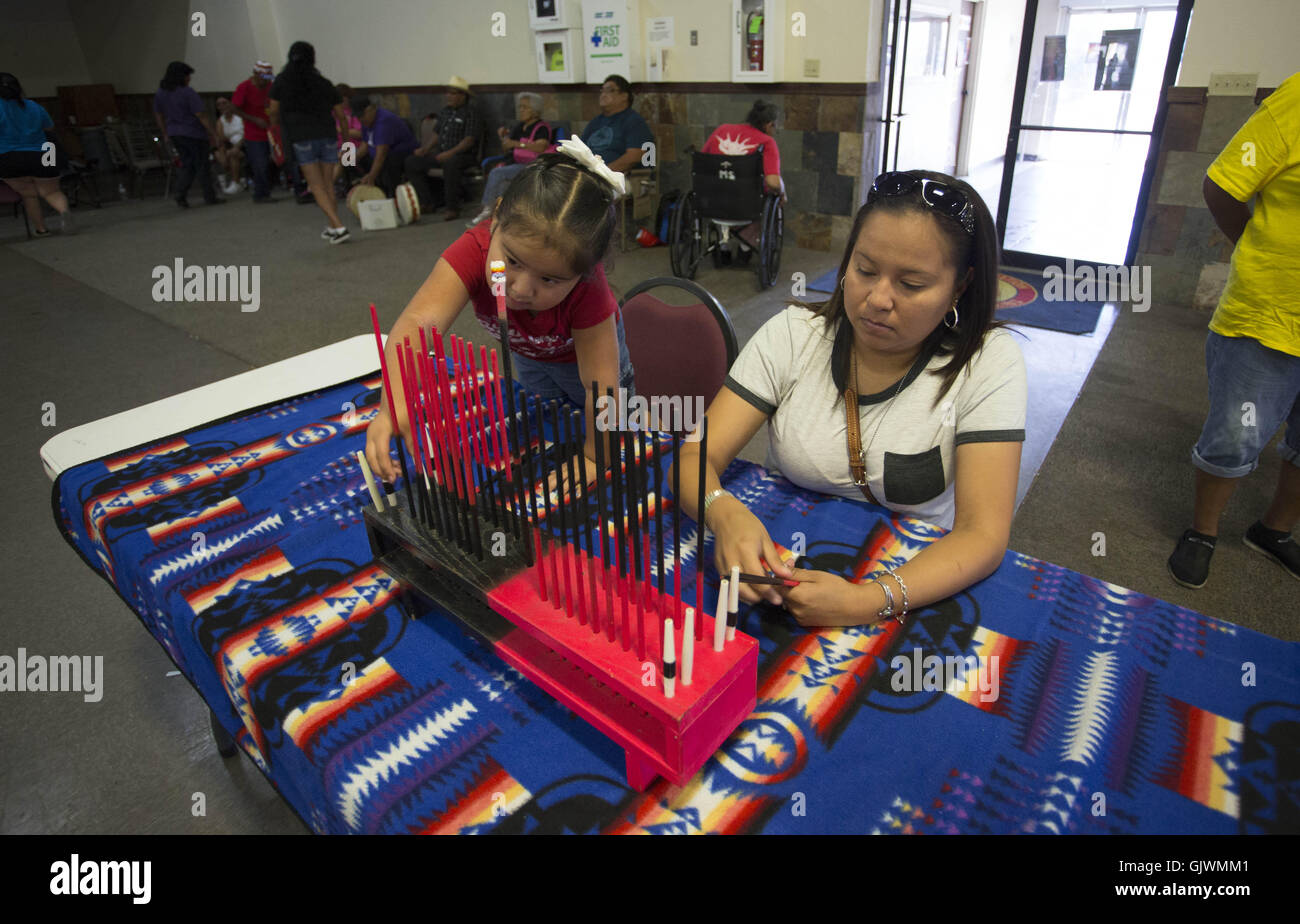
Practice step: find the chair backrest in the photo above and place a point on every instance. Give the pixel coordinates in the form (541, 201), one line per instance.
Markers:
(141, 147)
(113, 135)
(678, 350)
(727, 187)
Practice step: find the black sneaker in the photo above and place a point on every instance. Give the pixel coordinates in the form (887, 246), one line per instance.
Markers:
(336, 235)
(1190, 563)
(1275, 545)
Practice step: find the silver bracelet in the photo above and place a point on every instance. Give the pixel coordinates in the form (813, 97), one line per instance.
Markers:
(901, 586)
(710, 498)
(888, 611)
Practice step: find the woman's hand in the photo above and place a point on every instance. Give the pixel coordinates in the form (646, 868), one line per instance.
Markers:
(741, 539)
(379, 438)
(825, 599)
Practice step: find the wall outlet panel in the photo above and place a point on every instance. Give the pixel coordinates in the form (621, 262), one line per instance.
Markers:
(812, 67)
(1233, 84)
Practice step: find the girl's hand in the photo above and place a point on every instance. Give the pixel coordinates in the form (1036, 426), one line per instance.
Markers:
(379, 438)
(741, 539)
(825, 599)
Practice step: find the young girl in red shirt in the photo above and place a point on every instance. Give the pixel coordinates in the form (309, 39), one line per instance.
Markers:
(552, 229)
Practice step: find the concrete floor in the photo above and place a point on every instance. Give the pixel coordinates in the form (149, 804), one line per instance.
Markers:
(84, 333)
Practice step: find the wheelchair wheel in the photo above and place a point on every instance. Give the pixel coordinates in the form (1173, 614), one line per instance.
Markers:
(684, 246)
(769, 245)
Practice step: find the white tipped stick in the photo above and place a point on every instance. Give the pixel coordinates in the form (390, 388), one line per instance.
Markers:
(688, 646)
(670, 660)
(720, 620)
(733, 605)
(370, 482)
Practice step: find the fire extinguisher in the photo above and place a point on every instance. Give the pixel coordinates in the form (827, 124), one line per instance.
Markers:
(754, 44)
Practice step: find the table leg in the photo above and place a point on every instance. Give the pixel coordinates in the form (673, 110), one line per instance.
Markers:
(225, 744)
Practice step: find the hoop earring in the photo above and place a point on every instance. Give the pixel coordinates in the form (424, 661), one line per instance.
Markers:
(955, 316)
(841, 282)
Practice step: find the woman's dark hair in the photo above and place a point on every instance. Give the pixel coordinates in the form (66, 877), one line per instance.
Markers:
(976, 252)
(556, 200)
(302, 57)
(761, 113)
(622, 84)
(345, 91)
(177, 71)
(10, 88)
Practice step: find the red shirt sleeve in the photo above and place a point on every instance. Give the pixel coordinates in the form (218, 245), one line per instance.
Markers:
(771, 156)
(467, 255)
(592, 301)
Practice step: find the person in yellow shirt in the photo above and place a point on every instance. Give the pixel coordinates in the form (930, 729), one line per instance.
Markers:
(1252, 352)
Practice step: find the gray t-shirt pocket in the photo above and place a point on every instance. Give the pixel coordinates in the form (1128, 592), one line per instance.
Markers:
(913, 478)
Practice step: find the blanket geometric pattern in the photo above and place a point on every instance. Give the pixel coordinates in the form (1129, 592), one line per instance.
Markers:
(1039, 701)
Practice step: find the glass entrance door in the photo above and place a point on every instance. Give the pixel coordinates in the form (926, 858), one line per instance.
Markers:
(1089, 92)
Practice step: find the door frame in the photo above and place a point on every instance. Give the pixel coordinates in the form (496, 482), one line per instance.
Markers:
(1172, 61)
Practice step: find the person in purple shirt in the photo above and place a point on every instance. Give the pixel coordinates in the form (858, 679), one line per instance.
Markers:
(181, 117)
(388, 138)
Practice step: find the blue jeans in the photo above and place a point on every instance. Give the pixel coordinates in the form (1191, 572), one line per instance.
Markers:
(560, 381)
(1253, 389)
(259, 161)
(498, 180)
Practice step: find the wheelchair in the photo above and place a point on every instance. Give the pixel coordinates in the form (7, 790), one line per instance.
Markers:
(727, 193)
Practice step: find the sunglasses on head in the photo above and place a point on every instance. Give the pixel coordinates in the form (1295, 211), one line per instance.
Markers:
(944, 199)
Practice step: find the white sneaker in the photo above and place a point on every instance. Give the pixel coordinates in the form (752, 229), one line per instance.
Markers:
(232, 188)
(336, 235)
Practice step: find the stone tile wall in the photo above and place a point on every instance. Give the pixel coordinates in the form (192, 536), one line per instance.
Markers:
(1187, 253)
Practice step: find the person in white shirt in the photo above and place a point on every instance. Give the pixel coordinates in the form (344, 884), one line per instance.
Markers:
(230, 155)
(908, 340)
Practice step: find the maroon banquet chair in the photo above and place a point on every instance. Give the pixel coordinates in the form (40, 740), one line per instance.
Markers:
(683, 350)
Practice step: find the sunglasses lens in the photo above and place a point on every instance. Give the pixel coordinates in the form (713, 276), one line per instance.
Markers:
(946, 200)
(894, 184)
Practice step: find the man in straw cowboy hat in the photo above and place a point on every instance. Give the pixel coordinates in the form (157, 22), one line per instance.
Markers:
(453, 147)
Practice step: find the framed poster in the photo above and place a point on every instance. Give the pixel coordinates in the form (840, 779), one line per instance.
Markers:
(1117, 59)
(1053, 68)
(606, 39)
(547, 14)
(554, 55)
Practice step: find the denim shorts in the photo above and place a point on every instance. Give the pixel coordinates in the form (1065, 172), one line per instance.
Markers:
(322, 150)
(560, 381)
(1253, 390)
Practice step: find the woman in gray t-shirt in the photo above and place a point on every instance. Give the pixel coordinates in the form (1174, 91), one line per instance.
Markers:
(909, 341)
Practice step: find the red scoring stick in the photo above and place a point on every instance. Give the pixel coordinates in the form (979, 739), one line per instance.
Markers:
(462, 435)
(431, 435)
(442, 406)
(575, 547)
(478, 438)
(392, 408)
(414, 485)
(442, 445)
(545, 498)
(601, 443)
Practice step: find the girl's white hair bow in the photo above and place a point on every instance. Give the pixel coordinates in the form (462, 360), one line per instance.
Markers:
(575, 148)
